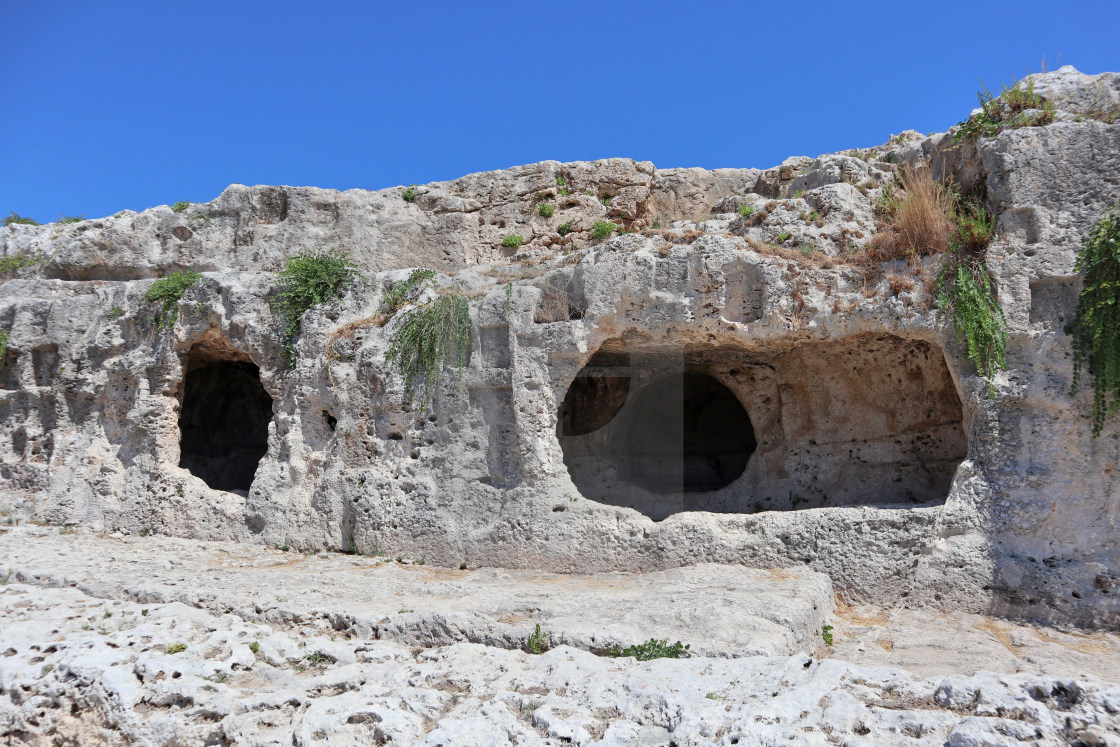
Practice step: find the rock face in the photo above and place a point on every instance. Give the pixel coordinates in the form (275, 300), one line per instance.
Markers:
(832, 423)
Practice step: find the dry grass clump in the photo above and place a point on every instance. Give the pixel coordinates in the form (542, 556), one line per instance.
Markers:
(558, 303)
(919, 224)
(900, 284)
(794, 255)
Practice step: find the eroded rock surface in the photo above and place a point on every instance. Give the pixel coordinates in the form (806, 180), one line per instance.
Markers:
(151, 641)
(879, 458)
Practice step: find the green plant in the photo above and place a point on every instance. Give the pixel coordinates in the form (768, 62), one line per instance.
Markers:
(602, 229)
(783, 237)
(143, 613)
(175, 648)
(746, 210)
(826, 634)
(409, 194)
(307, 280)
(561, 181)
(513, 240)
(115, 313)
(538, 641)
(405, 290)
(606, 200)
(255, 647)
(1015, 106)
(964, 289)
(71, 218)
(428, 336)
(180, 206)
(806, 249)
(590, 192)
(564, 191)
(5, 335)
(14, 218)
(167, 291)
(10, 263)
(1096, 329)
(564, 228)
(798, 194)
(653, 649)
(546, 210)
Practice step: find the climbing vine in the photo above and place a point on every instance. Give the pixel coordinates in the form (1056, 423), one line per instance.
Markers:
(965, 290)
(429, 335)
(1096, 330)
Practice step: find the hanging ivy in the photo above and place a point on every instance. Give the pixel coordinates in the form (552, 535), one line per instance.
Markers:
(1096, 330)
(965, 290)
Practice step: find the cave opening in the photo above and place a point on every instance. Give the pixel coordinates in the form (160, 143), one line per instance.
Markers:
(664, 427)
(223, 421)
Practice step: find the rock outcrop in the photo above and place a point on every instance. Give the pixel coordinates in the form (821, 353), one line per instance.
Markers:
(834, 423)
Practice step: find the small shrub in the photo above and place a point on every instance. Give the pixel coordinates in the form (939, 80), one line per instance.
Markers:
(306, 280)
(746, 210)
(180, 206)
(1015, 106)
(175, 648)
(14, 218)
(607, 200)
(538, 641)
(11, 263)
(602, 229)
(513, 240)
(405, 290)
(799, 194)
(5, 335)
(1096, 329)
(564, 191)
(653, 649)
(430, 335)
(115, 313)
(71, 218)
(143, 613)
(784, 236)
(166, 292)
(546, 210)
(561, 181)
(965, 290)
(806, 249)
(564, 228)
(826, 634)
(900, 284)
(255, 647)
(409, 194)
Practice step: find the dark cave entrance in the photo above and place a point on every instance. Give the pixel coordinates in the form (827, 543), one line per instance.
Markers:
(683, 434)
(665, 426)
(223, 423)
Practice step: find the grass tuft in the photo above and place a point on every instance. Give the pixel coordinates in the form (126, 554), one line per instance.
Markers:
(166, 292)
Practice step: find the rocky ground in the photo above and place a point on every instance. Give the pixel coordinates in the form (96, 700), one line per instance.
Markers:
(145, 640)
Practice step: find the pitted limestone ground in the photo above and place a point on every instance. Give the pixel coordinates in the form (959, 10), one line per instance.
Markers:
(154, 644)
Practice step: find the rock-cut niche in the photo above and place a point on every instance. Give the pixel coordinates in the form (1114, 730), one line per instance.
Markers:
(663, 427)
(223, 421)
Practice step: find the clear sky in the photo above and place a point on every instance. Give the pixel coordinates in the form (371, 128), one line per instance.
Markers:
(106, 105)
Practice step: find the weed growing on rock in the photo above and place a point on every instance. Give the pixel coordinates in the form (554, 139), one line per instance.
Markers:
(12, 263)
(564, 228)
(180, 206)
(561, 181)
(115, 313)
(306, 280)
(255, 647)
(175, 648)
(1096, 330)
(964, 289)
(746, 210)
(71, 218)
(546, 210)
(918, 224)
(1015, 106)
(513, 240)
(826, 634)
(784, 236)
(428, 336)
(14, 218)
(166, 292)
(5, 335)
(405, 290)
(653, 649)
(538, 641)
(602, 229)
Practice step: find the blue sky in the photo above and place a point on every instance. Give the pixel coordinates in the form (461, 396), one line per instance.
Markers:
(113, 105)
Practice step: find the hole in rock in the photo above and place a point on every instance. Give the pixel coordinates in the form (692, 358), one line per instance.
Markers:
(665, 426)
(224, 418)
